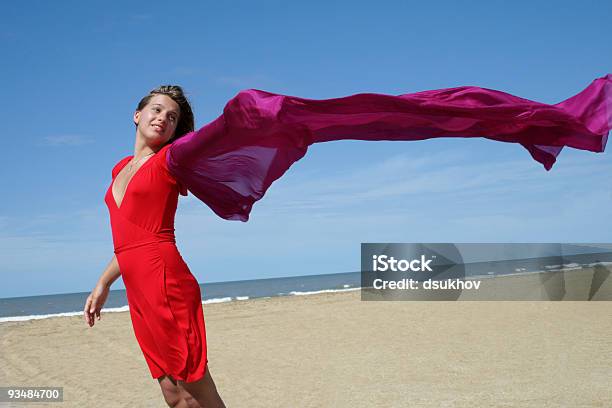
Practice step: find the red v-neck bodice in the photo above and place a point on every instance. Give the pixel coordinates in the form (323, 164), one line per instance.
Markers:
(164, 297)
(148, 204)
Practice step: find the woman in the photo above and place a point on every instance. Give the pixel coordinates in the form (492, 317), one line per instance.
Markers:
(164, 297)
(231, 162)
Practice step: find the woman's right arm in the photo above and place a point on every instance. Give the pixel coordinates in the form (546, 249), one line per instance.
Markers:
(111, 273)
(99, 294)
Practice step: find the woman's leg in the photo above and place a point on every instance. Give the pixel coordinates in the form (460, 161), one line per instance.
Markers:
(204, 391)
(175, 395)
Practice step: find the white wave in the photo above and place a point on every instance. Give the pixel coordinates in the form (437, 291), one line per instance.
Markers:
(315, 292)
(64, 314)
(564, 266)
(127, 308)
(217, 300)
(598, 263)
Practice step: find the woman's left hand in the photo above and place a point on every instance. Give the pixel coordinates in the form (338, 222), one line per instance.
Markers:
(94, 303)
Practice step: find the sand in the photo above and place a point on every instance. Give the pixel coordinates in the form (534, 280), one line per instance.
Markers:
(334, 350)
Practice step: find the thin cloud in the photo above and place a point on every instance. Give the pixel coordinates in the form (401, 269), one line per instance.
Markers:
(437, 179)
(66, 140)
(398, 176)
(450, 175)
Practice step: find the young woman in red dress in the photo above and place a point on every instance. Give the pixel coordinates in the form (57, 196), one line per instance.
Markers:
(163, 296)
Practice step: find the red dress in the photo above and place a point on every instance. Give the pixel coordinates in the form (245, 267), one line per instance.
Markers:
(164, 297)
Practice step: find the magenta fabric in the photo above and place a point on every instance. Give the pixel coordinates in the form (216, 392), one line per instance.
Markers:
(231, 162)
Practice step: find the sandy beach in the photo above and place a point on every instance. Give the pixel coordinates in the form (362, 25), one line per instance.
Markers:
(334, 350)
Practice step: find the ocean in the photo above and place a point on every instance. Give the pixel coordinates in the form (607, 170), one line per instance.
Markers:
(71, 304)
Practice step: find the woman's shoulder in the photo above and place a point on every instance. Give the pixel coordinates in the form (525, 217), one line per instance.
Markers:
(163, 163)
(117, 168)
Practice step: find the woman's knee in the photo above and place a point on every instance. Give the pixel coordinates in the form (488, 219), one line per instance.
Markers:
(190, 401)
(171, 392)
(204, 391)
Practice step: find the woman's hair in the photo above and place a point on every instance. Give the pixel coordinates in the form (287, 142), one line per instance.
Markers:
(185, 123)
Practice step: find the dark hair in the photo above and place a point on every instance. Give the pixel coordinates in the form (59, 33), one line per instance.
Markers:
(185, 123)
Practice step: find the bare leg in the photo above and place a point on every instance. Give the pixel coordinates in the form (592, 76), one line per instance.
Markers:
(204, 391)
(175, 395)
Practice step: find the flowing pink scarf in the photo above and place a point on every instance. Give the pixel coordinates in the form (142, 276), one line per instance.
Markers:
(230, 163)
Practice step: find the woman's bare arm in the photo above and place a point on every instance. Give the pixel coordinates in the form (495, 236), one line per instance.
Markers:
(98, 296)
(111, 273)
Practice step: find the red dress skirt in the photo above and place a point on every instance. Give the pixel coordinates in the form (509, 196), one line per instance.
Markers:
(163, 296)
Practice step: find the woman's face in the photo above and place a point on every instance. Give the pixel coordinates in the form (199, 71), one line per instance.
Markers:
(157, 121)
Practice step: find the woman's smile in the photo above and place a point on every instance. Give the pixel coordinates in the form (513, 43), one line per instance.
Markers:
(159, 128)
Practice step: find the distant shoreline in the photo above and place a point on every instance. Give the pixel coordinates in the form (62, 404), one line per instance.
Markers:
(571, 283)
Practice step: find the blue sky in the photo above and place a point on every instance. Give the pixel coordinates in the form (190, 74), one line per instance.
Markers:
(74, 71)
